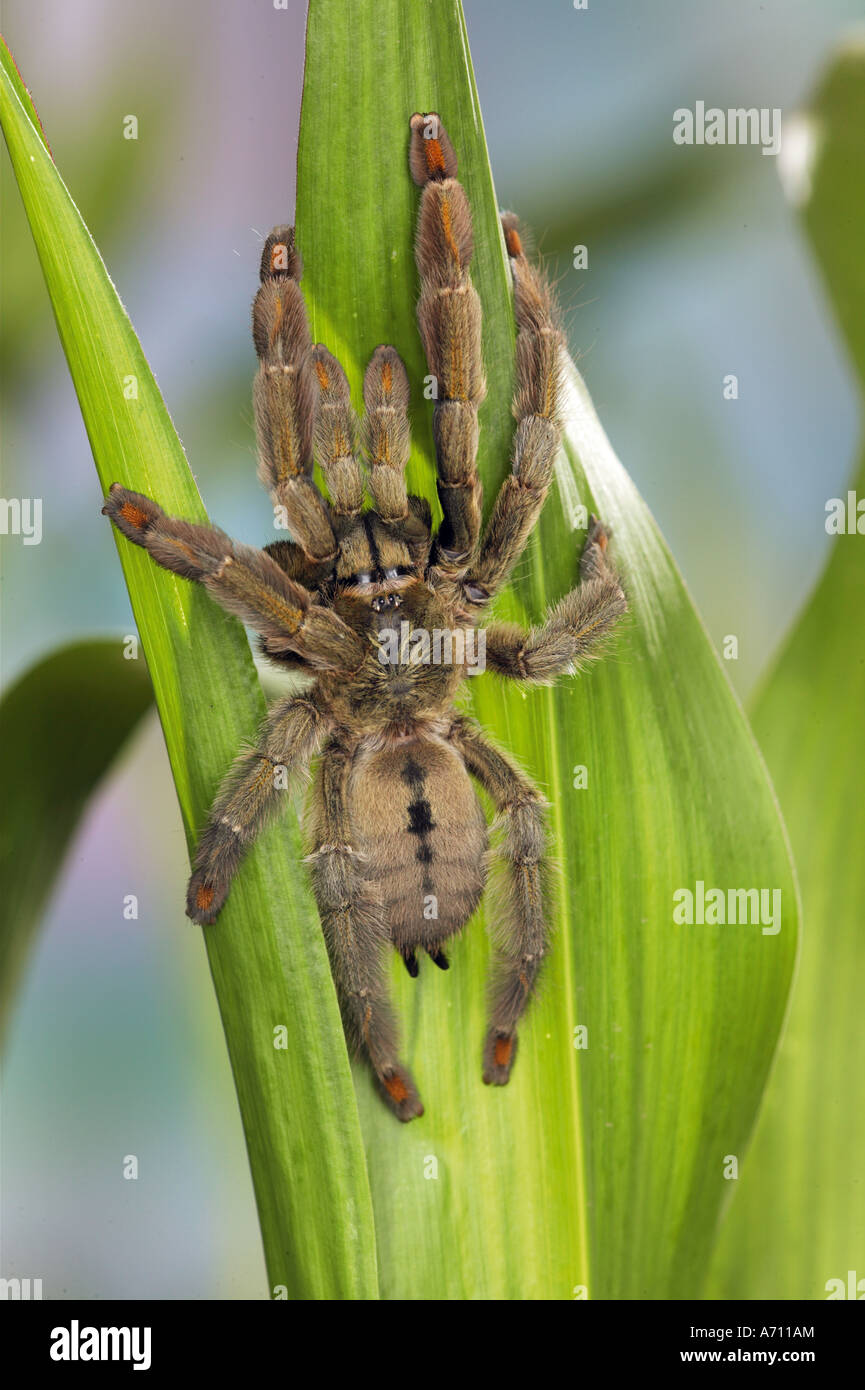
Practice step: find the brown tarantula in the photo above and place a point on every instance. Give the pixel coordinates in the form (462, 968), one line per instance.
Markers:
(398, 836)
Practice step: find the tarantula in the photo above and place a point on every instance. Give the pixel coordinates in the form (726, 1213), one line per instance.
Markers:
(398, 836)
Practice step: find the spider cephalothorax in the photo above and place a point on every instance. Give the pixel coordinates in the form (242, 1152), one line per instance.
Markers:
(386, 616)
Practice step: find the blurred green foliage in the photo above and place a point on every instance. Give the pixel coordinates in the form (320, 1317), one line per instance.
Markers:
(798, 1217)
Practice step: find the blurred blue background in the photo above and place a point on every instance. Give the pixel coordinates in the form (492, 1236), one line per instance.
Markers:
(696, 270)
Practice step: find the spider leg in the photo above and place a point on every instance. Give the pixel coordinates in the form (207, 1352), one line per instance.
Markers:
(573, 627)
(284, 398)
(357, 936)
(521, 934)
(449, 318)
(294, 561)
(335, 435)
(252, 791)
(386, 433)
(245, 581)
(536, 441)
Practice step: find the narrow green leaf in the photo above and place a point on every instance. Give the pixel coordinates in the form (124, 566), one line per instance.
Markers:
(798, 1220)
(47, 782)
(601, 1167)
(266, 953)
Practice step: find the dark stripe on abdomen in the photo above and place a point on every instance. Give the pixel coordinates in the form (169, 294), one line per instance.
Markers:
(420, 821)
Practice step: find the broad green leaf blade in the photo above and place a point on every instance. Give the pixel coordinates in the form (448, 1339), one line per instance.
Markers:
(46, 784)
(600, 1168)
(798, 1220)
(266, 952)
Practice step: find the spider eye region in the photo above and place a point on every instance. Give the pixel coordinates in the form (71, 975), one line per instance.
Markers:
(363, 578)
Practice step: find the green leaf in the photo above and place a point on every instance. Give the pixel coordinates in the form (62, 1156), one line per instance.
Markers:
(266, 953)
(113, 188)
(798, 1219)
(601, 1167)
(47, 782)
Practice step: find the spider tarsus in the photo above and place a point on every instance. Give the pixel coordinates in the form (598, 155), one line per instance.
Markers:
(401, 1093)
(438, 957)
(513, 236)
(204, 901)
(598, 533)
(280, 257)
(112, 488)
(595, 561)
(431, 155)
(131, 512)
(500, 1049)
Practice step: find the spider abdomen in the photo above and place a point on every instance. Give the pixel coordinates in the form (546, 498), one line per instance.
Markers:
(422, 833)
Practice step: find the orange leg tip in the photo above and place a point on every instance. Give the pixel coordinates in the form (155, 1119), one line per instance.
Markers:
(435, 160)
(203, 897)
(321, 373)
(387, 378)
(502, 1051)
(134, 515)
(279, 254)
(513, 242)
(396, 1089)
(432, 156)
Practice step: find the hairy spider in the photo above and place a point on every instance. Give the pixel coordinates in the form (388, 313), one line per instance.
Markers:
(398, 837)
